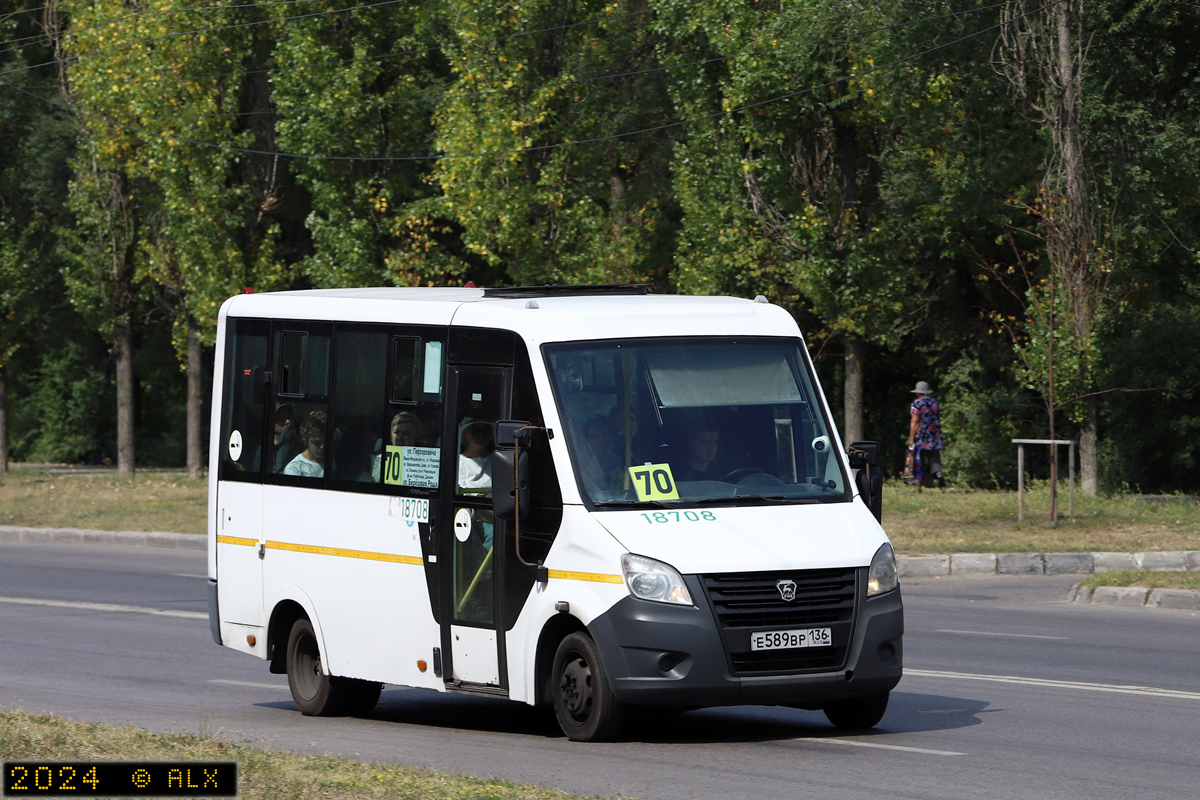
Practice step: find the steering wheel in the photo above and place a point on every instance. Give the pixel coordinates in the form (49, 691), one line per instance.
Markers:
(740, 474)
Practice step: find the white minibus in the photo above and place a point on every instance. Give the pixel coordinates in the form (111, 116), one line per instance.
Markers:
(588, 498)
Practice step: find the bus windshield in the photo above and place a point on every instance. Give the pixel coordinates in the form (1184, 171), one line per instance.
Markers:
(698, 420)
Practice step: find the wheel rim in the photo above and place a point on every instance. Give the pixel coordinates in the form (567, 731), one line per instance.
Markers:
(308, 667)
(575, 689)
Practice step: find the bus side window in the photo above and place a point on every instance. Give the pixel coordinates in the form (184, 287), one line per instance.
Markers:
(404, 369)
(244, 401)
(357, 399)
(302, 396)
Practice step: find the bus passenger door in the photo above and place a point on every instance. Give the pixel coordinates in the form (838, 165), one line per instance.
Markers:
(470, 538)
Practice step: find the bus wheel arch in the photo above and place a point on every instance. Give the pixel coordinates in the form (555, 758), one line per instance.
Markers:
(283, 617)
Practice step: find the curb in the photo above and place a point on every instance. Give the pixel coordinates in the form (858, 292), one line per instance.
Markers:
(1135, 597)
(177, 541)
(1046, 563)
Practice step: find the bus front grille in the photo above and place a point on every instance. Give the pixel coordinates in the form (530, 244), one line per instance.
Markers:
(745, 603)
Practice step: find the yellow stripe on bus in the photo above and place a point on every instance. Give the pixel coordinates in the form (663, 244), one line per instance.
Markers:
(237, 540)
(585, 576)
(342, 553)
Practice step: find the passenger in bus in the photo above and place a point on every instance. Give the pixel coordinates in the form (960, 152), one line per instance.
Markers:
(404, 431)
(308, 463)
(475, 457)
(700, 462)
(285, 441)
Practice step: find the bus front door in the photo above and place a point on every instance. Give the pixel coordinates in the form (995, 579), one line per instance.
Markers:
(471, 538)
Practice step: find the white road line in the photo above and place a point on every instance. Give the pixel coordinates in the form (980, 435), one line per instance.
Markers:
(107, 607)
(1147, 691)
(251, 685)
(1012, 635)
(185, 575)
(858, 743)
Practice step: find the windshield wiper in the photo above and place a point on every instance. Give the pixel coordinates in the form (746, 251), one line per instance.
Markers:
(761, 498)
(635, 504)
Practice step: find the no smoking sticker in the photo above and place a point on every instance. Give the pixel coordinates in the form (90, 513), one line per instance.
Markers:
(235, 445)
(462, 524)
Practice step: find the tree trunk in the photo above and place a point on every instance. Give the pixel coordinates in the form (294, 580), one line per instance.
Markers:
(3, 421)
(852, 430)
(123, 350)
(195, 464)
(1089, 451)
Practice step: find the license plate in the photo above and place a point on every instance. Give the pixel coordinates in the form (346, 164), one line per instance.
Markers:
(783, 640)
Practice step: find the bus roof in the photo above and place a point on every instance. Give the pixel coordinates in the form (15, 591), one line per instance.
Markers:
(556, 317)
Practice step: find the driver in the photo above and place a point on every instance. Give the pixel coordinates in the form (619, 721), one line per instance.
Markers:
(700, 464)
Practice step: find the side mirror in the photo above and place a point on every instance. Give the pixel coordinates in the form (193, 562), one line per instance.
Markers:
(864, 457)
(863, 454)
(510, 472)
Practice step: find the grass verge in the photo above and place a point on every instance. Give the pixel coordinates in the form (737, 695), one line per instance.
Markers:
(1148, 579)
(279, 775)
(970, 521)
(146, 502)
(930, 521)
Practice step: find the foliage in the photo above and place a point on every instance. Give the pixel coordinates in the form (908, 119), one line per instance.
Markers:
(525, 83)
(862, 165)
(72, 398)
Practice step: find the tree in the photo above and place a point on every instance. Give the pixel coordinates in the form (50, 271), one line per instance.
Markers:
(358, 89)
(533, 75)
(158, 92)
(27, 203)
(792, 181)
(1080, 200)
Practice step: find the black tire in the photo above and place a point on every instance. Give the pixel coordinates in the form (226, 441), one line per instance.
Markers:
(361, 696)
(859, 712)
(586, 708)
(317, 694)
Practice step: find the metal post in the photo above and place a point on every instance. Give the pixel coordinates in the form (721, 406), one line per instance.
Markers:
(1020, 483)
(1071, 477)
(1020, 443)
(1054, 482)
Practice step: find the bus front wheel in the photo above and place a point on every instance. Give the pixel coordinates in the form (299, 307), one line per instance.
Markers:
(586, 708)
(317, 694)
(858, 712)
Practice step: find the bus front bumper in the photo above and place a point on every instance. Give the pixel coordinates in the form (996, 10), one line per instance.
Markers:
(661, 654)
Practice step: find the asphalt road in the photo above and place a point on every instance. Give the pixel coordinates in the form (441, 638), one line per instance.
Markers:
(1009, 692)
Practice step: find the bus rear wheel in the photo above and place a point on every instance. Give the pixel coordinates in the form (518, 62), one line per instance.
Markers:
(586, 708)
(361, 696)
(317, 694)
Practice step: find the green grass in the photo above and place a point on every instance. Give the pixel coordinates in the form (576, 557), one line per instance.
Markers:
(262, 773)
(931, 521)
(1146, 578)
(147, 502)
(980, 521)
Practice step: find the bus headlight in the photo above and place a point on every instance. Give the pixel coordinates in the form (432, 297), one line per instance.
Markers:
(882, 577)
(648, 579)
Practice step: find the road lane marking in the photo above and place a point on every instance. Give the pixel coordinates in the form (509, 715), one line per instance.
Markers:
(1012, 635)
(902, 748)
(108, 607)
(252, 685)
(1146, 691)
(185, 575)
